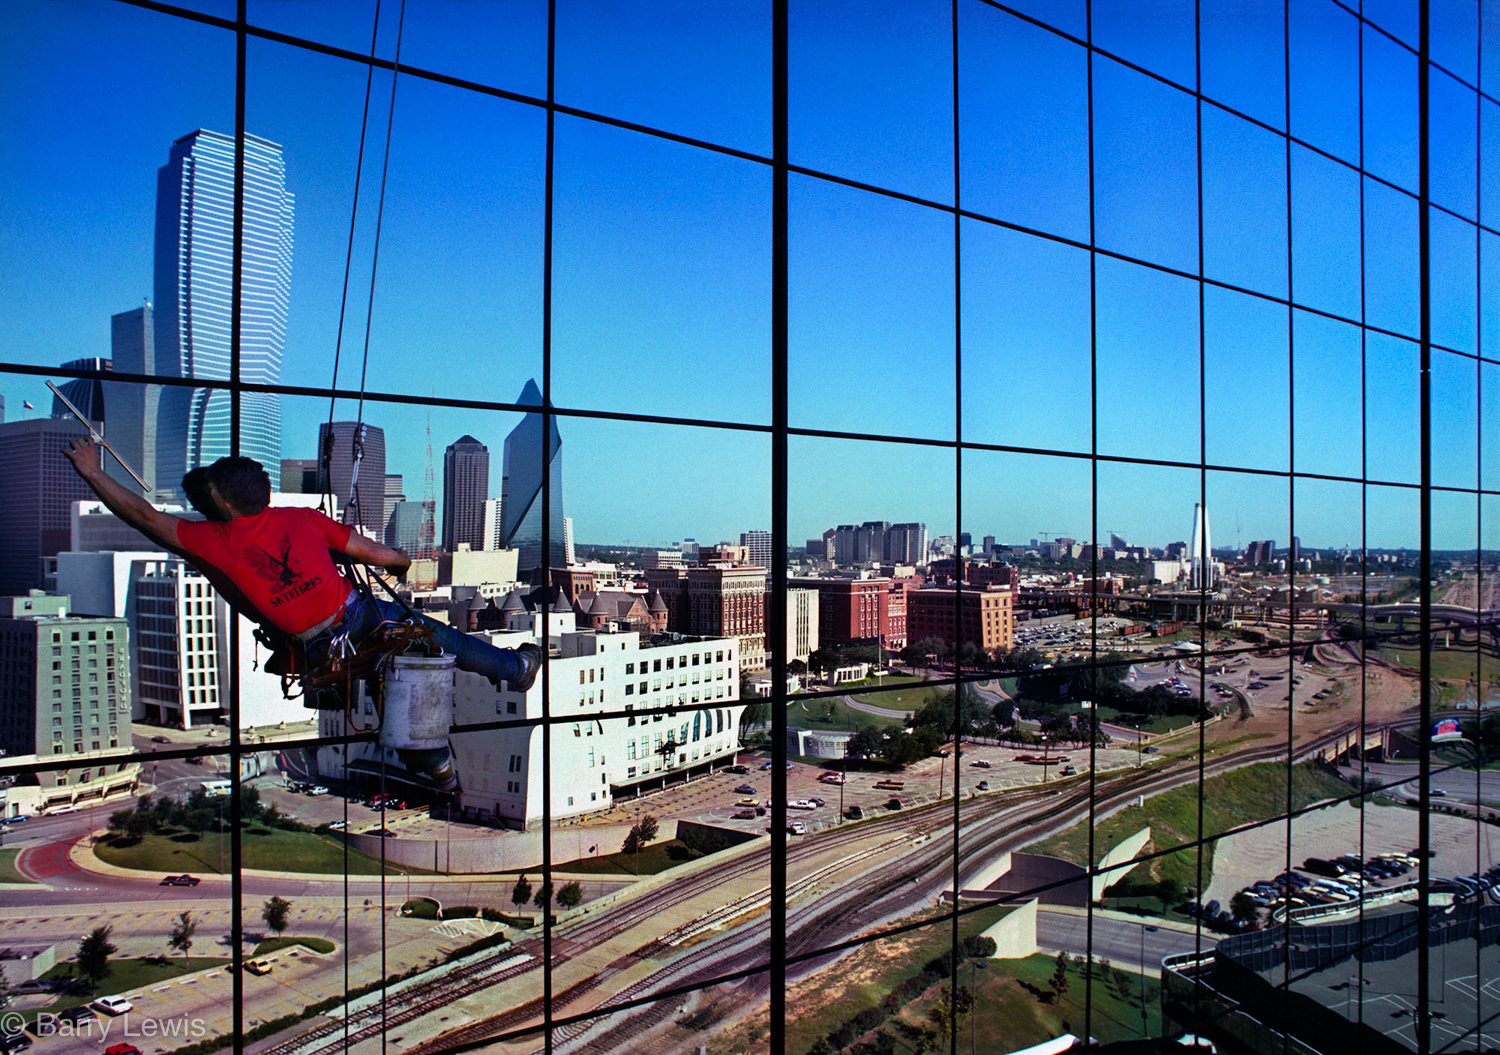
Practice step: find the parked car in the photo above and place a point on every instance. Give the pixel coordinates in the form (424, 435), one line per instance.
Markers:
(81, 1013)
(258, 967)
(113, 1005)
(122, 1049)
(161, 739)
(746, 789)
(745, 815)
(182, 880)
(748, 802)
(797, 828)
(14, 1040)
(742, 770)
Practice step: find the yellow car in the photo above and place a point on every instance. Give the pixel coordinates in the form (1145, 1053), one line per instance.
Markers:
(748, 802)
(258, 967)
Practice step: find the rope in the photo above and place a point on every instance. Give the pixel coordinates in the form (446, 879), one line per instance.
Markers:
(325, 455)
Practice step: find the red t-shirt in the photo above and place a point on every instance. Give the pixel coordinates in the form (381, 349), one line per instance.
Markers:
(279, 559)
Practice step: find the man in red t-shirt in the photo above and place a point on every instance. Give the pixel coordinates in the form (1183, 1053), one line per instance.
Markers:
(280, 562)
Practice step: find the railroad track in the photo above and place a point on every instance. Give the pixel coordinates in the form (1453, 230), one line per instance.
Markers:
(989, 825)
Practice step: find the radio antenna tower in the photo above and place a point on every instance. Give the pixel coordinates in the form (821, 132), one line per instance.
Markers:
(427, 533)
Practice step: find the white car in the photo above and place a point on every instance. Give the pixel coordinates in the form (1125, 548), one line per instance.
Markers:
(801, 804)
(797, 828)
(114, 1005)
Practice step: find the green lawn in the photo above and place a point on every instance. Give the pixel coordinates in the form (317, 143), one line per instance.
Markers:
(914, 697)
(1231, 799)
(270, 945)
(814, 714)
(275, 850)
(125, 976)
(8, 871)
(1156, 726)
(1006, 1007)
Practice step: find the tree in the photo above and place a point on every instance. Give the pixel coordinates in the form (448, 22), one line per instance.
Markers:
(821, 1047)
(570, 895)
(640, 834)
(1243, 906)
(521, 893)
(796, 667)
(4, 989)
(1060, 974)
(822, 661)
(276, 913)
(181, 936)
(864, 744)
(93, 955)
(931, 648)
(543, 897)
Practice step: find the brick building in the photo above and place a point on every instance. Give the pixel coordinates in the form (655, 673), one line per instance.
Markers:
(859, 611)
(988, 617)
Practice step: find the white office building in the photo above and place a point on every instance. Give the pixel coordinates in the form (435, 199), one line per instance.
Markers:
(687, 693)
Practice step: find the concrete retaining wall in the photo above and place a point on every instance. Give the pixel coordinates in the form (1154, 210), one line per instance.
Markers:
(1124, 851)
(1015, 935)
(502, 852)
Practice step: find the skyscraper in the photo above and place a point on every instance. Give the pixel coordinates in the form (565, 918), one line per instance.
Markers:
(85, 393)
(368, 510)
(40, 488)
(1201, 551)
(758, 548)
(133, 407)
(194, 300)
(466, 487)
(521, 488)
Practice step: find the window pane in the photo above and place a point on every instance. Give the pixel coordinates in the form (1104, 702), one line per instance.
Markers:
(699, 71)
(1023, 111)
(1455, 289)
(1244, 58)
(1146, 316)
(1157, 36)
(1145, 166)
(1245, 381)
(1026, 340)
(660, 253)
(1489, 425)
(1390, 91)
(1392, 409)
(871, 93)
(1325, 234)
(1325, 401)
(1325, 77)
(1455, 38)
(1244, 204)
(1455, 422)
(1391, 270)
(73, 281)
(871, 295)
(1453, 152)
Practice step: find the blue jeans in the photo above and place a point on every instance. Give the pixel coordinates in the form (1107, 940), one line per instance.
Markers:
(476, 655)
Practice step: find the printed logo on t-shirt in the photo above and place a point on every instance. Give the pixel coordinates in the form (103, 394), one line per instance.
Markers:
(280, 571)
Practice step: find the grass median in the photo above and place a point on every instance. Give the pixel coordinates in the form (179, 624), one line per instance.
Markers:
(273, 849)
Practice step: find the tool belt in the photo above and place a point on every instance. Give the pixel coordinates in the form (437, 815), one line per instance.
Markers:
(339, 667)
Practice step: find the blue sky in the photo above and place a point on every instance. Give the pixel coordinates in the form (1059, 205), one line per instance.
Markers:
(661, 251)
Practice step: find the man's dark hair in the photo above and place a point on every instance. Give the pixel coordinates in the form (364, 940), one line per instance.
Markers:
(195, 486)
(242, 482)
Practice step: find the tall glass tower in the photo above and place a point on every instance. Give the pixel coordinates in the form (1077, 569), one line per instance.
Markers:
(521, 490)
(194, 299)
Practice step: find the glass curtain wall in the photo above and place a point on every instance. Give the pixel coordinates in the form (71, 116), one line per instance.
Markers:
(734, 355)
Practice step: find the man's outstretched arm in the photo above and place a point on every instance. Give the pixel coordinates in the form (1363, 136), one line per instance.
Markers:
(125, 504)
(376, 554)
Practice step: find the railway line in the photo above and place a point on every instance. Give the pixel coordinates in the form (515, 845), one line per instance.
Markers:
(988, 826)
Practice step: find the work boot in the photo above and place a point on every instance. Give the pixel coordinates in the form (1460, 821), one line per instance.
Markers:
(530, 658)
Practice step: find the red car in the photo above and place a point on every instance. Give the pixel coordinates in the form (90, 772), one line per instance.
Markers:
(122, 1049)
